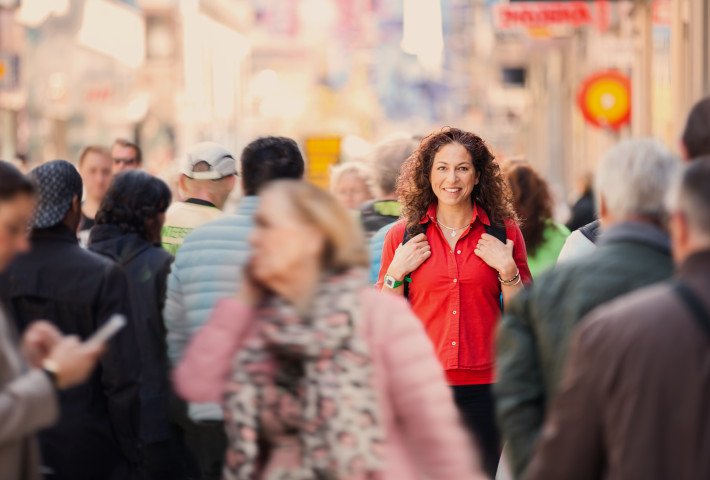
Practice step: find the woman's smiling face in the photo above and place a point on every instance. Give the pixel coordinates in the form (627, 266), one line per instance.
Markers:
(453, 175)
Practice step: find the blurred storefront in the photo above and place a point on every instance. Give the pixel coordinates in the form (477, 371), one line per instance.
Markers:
(169, 73)
(659, 46)
(161, 73)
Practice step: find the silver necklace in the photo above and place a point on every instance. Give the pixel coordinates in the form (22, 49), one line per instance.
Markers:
(453, 230)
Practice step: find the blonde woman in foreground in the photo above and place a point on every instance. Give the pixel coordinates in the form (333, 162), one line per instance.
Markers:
(320, 376)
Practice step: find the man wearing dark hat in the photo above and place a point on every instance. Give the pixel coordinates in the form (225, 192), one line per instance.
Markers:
(78, 291)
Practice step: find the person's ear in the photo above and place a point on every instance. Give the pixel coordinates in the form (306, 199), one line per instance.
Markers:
(182, 187)
(683, 150)
(603, 210)
(76, 203)
(680, 230)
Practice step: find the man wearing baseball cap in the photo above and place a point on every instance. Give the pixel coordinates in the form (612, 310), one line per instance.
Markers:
(78, 291)
(207, 178)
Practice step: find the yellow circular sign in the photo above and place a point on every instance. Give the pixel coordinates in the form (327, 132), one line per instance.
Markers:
(605, 99)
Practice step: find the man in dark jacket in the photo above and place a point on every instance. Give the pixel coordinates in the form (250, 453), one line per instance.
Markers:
(633, 252)
(583, 210)
(78, 291)
(634, 398)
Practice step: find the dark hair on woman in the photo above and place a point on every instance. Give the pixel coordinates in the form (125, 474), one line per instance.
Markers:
(133, 198)
(532, 202)
(13, 182)
(414, 184)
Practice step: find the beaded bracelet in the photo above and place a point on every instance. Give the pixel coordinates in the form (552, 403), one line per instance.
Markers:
(512, 282)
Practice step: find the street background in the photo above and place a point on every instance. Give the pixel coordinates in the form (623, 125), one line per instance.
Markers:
(341, 75)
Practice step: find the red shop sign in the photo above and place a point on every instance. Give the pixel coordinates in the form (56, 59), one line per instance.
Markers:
(542, 14)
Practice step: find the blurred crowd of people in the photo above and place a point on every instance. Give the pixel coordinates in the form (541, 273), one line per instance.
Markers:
(428, 318)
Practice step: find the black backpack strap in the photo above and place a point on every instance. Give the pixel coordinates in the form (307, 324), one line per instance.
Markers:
(694, 304)
(408, 234)
(497, 231)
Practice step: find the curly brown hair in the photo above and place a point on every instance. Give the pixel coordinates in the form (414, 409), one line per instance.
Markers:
(414, 185)
(532, 202)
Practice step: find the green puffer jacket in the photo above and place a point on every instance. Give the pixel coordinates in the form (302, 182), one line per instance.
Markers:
(534, 333)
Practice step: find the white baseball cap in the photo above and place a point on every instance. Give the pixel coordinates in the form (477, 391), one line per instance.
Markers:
(220, 160)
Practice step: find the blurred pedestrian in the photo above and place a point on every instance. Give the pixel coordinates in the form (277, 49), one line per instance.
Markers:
(544, 237)
(44, 363)
(78, 291)
(695, 141)
(634, 397)
(207, 179)
(386, 160)
(634, 251)
(583, 210)
(126, 156)
(379, 215)
(581, 242)
(321, 377)
(458, 252)
(128, 232)
(209, 267)
(95, 169)
(351, 183)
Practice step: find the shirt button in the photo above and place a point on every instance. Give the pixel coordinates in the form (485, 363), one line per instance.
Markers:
(453, 343)
(459, 252)
(454, 312)
(456, 280)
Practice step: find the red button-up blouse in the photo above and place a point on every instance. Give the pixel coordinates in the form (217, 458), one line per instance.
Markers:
(457, 295)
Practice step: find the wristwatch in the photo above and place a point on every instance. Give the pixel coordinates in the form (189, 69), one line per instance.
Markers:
(51, 369)
(391, 282)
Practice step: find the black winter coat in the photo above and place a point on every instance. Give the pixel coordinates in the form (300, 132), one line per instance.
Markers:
(78, 291)
(147, 267)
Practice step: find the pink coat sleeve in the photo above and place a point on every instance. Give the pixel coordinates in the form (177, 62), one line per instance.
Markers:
(423, 403)
(201, 374)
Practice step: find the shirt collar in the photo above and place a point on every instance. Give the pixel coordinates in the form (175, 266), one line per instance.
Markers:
(636, 232)
(58, 232)
(478, 212)
(199, 201)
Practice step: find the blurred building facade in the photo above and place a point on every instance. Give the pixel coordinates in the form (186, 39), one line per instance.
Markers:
(169, 73)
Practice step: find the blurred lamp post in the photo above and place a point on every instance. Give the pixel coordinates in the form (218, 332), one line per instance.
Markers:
(423, 33)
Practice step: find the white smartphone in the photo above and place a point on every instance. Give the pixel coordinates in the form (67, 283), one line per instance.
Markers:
(110, 328)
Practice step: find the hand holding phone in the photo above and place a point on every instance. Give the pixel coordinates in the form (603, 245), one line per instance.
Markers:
(108, 330)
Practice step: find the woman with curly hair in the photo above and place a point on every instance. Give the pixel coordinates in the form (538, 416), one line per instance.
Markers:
(544, 238)
(127, 231)
(456, 272)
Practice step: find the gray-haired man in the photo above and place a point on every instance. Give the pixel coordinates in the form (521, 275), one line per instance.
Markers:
(634, 251)
(634, 398)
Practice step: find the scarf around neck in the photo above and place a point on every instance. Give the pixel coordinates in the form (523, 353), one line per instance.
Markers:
(320, 368)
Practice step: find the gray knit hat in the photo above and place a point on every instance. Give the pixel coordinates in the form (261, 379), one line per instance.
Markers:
(58, 182)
